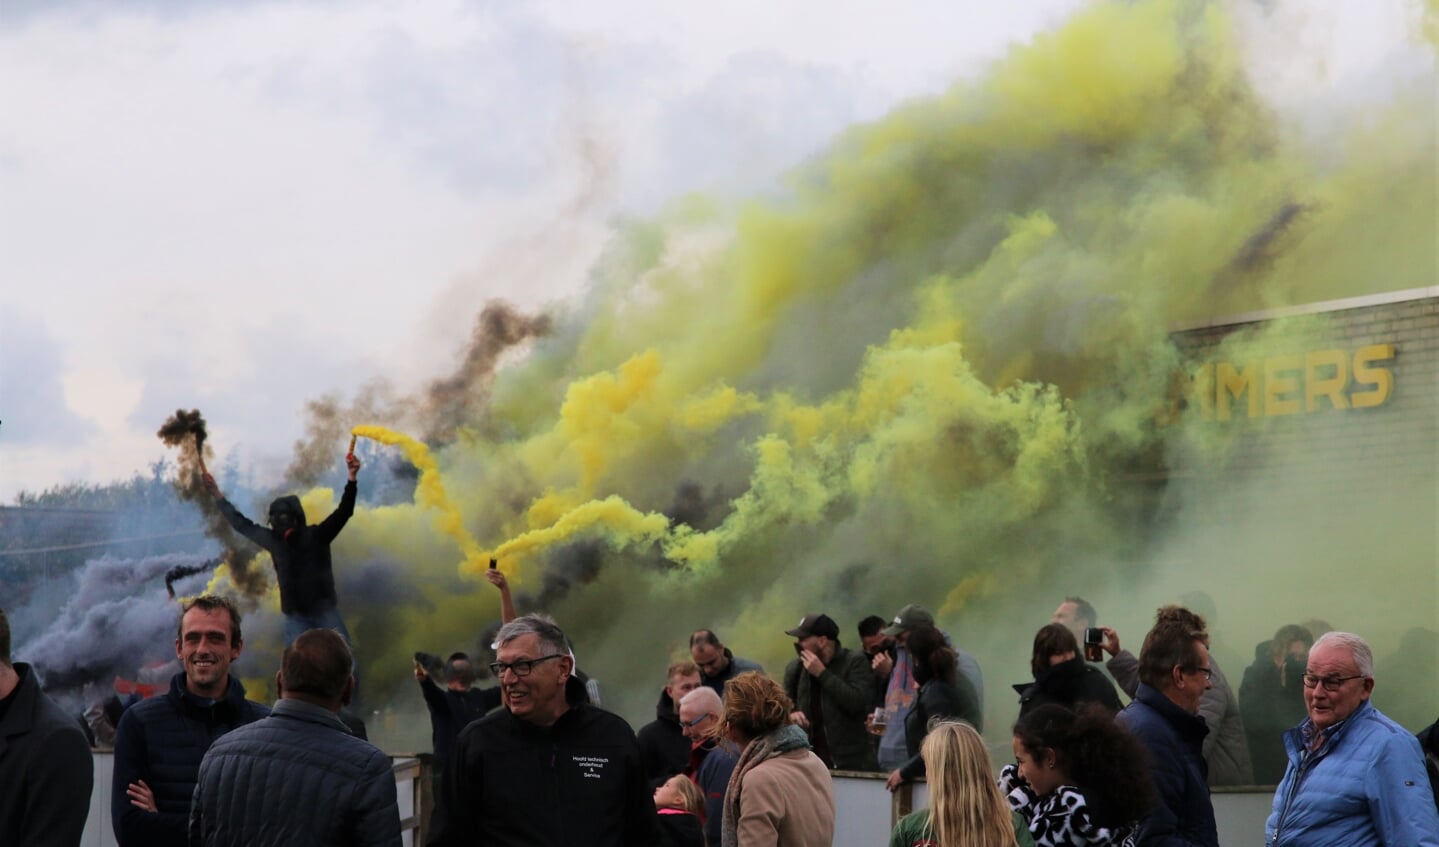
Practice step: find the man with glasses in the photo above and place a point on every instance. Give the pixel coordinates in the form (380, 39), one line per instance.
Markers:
(548, 768)
(1354, 777)
(1174, 673)
(712, 758)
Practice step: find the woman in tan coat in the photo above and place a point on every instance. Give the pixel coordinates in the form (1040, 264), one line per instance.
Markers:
(780, 794)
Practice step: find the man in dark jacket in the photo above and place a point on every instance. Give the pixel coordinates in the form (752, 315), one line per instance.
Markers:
(716, 663)
(160, 741)
(46, 771)
(1429, 743)
(299, 777)
(664, 749)
(832, 689)
(300, 553)
(548, 768)
(455, 706)
(1164, 716)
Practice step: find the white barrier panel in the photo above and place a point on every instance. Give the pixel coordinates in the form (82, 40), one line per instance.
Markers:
(99, 832)
(863, 809)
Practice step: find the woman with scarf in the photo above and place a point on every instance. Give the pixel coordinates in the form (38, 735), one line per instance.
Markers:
(780, 793)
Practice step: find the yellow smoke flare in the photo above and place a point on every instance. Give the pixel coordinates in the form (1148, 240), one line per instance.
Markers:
(430, 492)
(612, 519)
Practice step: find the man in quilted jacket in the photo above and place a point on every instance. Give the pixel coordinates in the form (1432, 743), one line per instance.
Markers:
(1355, 777)
(299, 777)
(160, 741)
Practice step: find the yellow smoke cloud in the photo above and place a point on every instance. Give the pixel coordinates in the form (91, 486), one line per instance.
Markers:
(932, 371)
(429, 491)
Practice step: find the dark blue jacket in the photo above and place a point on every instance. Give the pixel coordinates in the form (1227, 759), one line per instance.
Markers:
(161, 741)
(46, 771)
(1174, 740)
(298, 777)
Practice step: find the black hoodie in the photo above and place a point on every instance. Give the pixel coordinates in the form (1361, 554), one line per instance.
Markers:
(664, 749)
(302, 561)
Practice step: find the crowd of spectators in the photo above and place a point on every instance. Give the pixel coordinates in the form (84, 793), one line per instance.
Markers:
(735, 756)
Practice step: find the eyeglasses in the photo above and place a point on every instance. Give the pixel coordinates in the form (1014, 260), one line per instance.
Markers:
(1208, 672)
(522, 667)
(697, 721)
(1330, 683)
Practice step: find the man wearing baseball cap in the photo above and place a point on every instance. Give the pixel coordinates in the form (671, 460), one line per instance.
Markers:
(831, 687)
(899, 696)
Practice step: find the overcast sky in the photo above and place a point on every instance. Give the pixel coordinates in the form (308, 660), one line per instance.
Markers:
(239, 206)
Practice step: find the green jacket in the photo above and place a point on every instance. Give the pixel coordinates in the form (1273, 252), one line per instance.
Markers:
(846, 696)
(913, 830)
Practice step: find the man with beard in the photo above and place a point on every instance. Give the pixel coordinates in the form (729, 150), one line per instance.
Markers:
(300, 553)
(548, 768)
(160, 742)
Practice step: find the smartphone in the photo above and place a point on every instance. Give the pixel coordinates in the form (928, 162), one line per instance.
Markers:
(494, 563)
(1093, 644)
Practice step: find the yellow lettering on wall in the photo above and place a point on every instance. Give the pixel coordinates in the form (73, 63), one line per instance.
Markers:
(1230, 383)
(1382, 379)
(1281, 386)
(1326, 374)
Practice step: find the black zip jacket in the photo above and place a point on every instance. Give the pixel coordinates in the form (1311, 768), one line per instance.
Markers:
(578, 782)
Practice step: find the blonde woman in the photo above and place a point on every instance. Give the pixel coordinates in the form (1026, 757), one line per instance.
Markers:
(780, 794)
(965, 806)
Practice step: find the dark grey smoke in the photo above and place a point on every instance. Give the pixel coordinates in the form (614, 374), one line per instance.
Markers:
(117, 617)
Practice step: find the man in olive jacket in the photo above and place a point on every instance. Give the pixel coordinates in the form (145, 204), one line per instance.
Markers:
(845, 683)
(46, 771)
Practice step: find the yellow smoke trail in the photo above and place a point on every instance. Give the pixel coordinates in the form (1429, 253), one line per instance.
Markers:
(430, 490)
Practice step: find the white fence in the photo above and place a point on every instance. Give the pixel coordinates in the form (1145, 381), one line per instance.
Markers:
(99, 832)
(864, 807)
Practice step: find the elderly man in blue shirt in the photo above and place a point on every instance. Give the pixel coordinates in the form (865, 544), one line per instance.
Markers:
(1354, 777)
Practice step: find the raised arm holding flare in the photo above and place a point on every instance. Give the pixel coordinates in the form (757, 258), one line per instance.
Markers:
(301, 554)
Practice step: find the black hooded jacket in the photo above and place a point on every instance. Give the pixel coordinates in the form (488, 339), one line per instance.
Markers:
(664, 749)
(302, 562)
(1068, 684)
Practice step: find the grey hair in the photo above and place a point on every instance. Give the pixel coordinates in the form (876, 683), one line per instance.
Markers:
(1357, 646)
(551, 637)
(705, 698)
